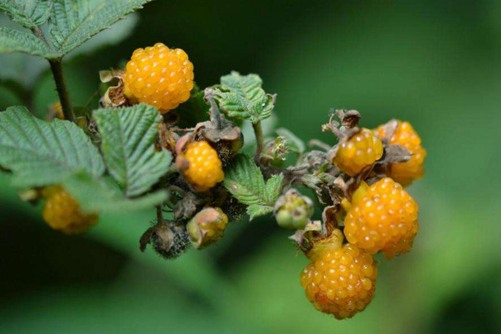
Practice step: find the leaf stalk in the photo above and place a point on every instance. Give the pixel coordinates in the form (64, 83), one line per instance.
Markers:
(258, 132)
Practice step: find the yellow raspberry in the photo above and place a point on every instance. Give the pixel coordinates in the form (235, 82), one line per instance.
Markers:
(62, 212)
(383, 218)
(406, 172)
(357, 152)
(159, 76)
(340, 281)
(204, 168)
(56, 110)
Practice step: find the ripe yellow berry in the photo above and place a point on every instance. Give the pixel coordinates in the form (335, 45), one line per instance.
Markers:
(357, 152)
(204, 168)
(159, 76)
(404, 135)
(340, 281)
(62, 212)
(383, 218)
(56, 110)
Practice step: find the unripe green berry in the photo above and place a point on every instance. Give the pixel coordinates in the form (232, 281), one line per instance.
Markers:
(293, 210)
(207, 227)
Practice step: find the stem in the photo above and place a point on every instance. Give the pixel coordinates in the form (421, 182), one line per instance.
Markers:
(159, 213)
(319, 144)
(258, 132)
(57, 72)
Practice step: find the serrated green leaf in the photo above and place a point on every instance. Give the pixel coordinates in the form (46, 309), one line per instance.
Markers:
(13, 40)
(22, 68)
(244, 181)
(111, 36)
(128, 145)
(256, 210)
(273, 186)
(101, 195)
(294, 143)
(41, 153)
(242, 97)
(28, 13)
(75, 21)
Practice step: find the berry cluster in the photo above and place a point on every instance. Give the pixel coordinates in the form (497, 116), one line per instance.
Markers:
(365, 206)
(214, 180)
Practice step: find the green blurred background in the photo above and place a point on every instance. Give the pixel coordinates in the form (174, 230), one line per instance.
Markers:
(436, 64)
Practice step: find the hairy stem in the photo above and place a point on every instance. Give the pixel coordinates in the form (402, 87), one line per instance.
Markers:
(158, 209)
(258, 132)
(57, 72)
(320, 144)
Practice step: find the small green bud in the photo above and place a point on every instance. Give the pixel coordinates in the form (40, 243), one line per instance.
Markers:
(275, 152)
(207, 227)
(293, 210)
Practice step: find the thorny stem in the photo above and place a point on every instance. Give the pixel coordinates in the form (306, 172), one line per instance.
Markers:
(57, 72)
(258, 131)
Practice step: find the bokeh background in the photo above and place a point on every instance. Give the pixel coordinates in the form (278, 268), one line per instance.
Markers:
(436, 64)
